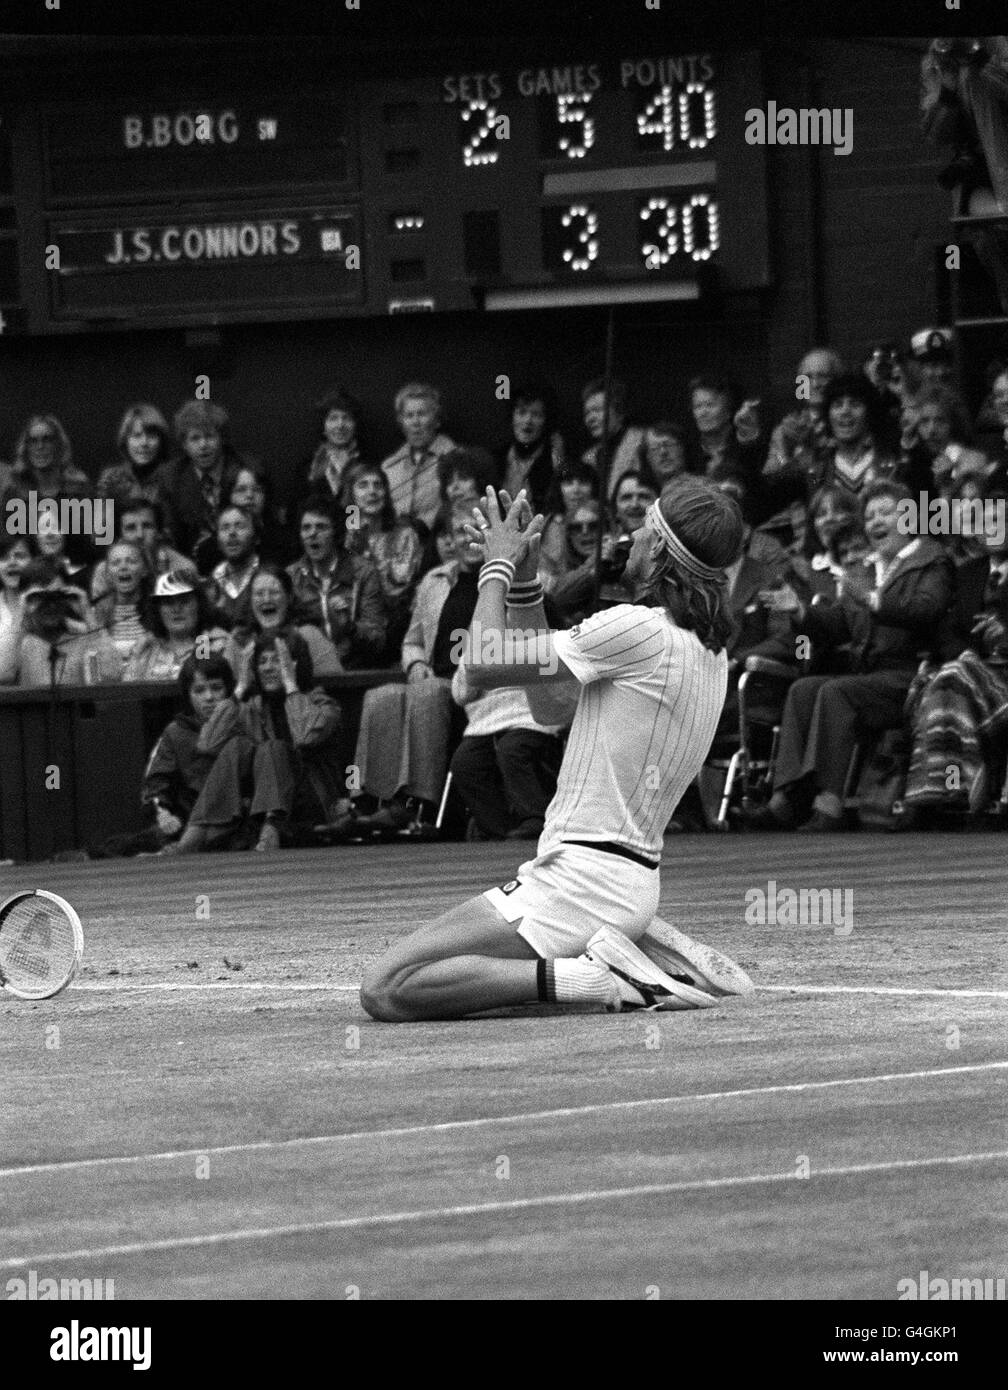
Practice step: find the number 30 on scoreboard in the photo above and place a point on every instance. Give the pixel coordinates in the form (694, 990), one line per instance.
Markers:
(674, 229)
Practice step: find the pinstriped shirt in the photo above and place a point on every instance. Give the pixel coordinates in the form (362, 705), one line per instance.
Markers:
(651, 698)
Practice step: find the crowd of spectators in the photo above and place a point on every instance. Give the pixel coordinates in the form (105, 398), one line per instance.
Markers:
(248, 606)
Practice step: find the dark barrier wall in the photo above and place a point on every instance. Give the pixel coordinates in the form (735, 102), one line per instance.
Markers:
(854, 243)
(91, 746)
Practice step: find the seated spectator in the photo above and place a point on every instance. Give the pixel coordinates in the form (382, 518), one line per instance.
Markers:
(727, 434)
(63, 552)
(54, 646)
(402, 747)
(534, 453)
(339, 417)
(229, 588)
(249, 486)
(575, 484)
(958, 706)
(967, 541)
(938, 457)
(335, 591)
(662, 455)
(835, 535)
(191, 484)
(412, 471)
(118, 613)
(856, 452)
(505, 767)
(799, 445)
(634, 494)
(569, 582)
(274, 741)
(886, 615)
(175, 617)
(15, 554)
(140, 520)
(998, 452)
(141, 448)
(43, 464)
(270, 603)
(464, 476)
(624, 440)
(177, 770)
(376, 537)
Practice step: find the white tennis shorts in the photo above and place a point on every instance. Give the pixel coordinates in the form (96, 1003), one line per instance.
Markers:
(564, 896)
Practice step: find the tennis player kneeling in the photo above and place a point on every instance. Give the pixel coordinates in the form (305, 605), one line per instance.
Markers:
(577, 924)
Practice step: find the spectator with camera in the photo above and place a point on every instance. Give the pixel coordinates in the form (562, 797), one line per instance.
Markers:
(54, 646)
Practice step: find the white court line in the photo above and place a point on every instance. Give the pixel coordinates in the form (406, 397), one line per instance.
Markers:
(885, 989)
(281, 986)
(446, 1126)
(558, 1199)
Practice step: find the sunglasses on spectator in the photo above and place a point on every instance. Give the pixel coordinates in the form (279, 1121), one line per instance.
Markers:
(585, 527)
(41, 438)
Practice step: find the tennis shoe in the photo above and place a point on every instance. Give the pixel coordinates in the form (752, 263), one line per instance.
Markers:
(679, 955)
(638, 983)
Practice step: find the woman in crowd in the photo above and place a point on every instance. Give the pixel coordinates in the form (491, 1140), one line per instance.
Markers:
(15, 553)
(726, 437)
(274, 737)
(857, 452)
(43, 464)
(534, 454)
(141, 447)
(339, 416)
(570, 584)
(250, 487)
(575, 484)
(958, 706)
(392, 544)
(936, 429)
(175, 617)
(464, 474)
(271, 597)
(54, 547)
(141, 520)
(884, 615)
(118, 613)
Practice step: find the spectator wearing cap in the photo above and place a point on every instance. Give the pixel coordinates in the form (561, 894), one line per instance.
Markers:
(140, 520)
(142, 445)
(273, 741)
(53, 646)
(338, 432)
(335, 591)
(888, 609)
(229, 588)
(190, 485)
(535, 452)
(623, 441)
(412, 471)
(175, 617)
(933, 353)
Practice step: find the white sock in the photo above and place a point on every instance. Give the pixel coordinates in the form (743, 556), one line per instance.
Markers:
(580, 981)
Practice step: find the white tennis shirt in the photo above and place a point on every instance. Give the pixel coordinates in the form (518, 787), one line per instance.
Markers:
(651, 698)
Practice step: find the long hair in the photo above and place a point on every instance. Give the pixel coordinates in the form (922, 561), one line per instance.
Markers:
(709, 524)
(64, 450)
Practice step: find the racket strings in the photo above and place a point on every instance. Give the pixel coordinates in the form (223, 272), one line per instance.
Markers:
(37, 944)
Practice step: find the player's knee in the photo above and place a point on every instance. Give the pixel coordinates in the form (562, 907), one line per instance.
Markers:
(378, 996)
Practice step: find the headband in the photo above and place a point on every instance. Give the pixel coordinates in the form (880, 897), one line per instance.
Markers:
(679, 552)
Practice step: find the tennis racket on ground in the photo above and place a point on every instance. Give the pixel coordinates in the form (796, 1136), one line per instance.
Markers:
(41, 944)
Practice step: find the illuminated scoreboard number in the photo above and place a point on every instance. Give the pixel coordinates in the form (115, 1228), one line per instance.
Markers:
(677, 232)
(568, 126)
(676, 118)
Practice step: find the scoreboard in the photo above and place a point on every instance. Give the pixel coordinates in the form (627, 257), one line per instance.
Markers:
(581, 181)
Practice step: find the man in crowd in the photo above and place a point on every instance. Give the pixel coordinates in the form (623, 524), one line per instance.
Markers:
(412, 471)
